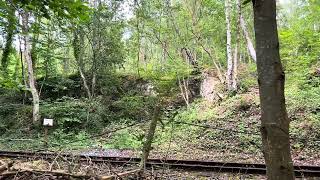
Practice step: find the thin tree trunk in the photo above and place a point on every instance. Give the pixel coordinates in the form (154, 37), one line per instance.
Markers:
(184, 92)
(34, 57)
(149, 138)
(27, 57)
(235, 64)
(136, 5)
(93, 84)
(236, 49)
(94, 65)
(35, 40)
(186, 87)
(77, 43)
(214, 63)
(229, 48)
(8, 46)
(96, 41)
(208, 51)
(47, 57)
(271, 79)
(85, 84)
(24, 81)
(250, 46)
(6, 52)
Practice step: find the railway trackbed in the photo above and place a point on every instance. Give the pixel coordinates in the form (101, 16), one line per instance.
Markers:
(188, 165)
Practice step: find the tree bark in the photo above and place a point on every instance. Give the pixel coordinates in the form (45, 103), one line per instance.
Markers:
(236, 49)
(9, 39)
(149, 138)
(24, 81)
(271, 78)
(229, 48)
(250, 46)
(184, 90)
(136, 6)
(35, 39)
(27, 57)
(6, 51)
(77, 43)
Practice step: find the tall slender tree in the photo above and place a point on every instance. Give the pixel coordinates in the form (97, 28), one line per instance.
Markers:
(271, 78)
(229, 46)
(78, 50)
(237, 48)
(27, 57)
(10, 30)
(250, 46)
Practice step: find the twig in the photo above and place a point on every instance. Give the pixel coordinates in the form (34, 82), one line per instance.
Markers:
(60, 173)
(55, 161)
(121, 175)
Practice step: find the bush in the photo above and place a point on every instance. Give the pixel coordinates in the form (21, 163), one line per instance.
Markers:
(15, 118)
(126, 139)
(72, 114)
(56, 87)
(132, 108)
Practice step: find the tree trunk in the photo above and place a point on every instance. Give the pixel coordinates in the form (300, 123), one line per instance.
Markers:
(184, 91)
(27, 57)
(24, 81)
(149, 138)
(250, 46)
(93, 83)
(35, 39)
(274, 118)
(229, 49)
(6, 51)
(77, 44)
(219, 74)
(236, 49)
(9, 38)
(234, 69)
(136, 6)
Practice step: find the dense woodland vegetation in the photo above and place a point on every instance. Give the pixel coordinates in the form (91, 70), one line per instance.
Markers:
(183, 74)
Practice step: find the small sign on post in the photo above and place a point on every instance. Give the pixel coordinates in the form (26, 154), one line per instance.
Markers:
(46, 123)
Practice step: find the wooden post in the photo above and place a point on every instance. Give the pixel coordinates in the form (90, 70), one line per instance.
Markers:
(46, 123)
(46, 137)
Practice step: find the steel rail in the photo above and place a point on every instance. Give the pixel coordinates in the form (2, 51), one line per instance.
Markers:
(190, 165)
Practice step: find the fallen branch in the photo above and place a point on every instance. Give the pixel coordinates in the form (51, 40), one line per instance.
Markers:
(11, 173)
(121, 175)
(55, 172)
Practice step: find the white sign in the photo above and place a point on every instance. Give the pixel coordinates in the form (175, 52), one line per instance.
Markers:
(47, 122)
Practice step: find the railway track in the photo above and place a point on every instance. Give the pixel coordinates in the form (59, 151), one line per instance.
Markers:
(189, 165)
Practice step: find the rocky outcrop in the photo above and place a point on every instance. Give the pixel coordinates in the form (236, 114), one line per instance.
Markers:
(210, 87)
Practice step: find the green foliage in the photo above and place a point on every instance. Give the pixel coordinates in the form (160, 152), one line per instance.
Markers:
(63, 8)
(164, 77)
(58, 138)
(127, 89)
(125, 139)
(299, 50)
(56, 87)
(72, 115)
(247, 77)
(197, 111)
(132, 108)
(15, 118)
